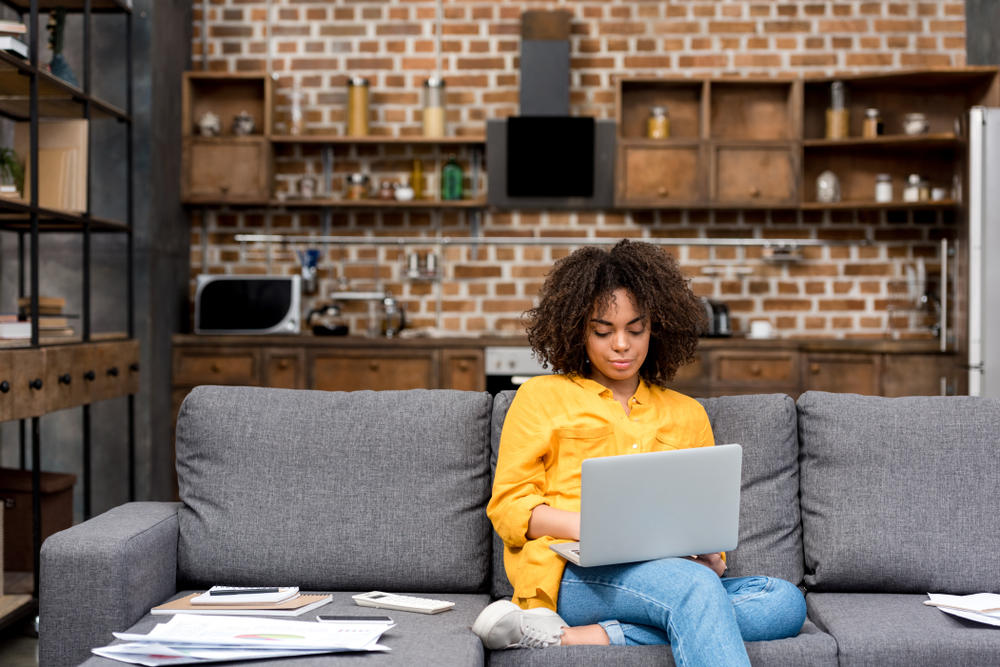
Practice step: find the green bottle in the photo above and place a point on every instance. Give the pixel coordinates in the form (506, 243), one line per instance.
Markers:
(451, 180)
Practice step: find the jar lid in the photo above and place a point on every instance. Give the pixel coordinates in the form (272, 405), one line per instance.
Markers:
(883, 177)
(914, 115)
(658, 110)
(914, 179)
(358, 177)
(357, 81)
(871, 112)
(434, 82)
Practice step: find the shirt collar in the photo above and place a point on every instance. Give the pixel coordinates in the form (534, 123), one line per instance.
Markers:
(641, 394)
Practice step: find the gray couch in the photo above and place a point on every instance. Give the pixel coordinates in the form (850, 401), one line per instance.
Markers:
(868, 503)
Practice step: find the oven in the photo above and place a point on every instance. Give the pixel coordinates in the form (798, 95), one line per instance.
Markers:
(509, 366)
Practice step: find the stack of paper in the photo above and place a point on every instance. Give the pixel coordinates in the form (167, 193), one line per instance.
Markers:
(186, 640)
(294, 604)
(980, 607)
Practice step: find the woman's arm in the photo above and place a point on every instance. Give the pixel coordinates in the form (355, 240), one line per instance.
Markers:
(553, 522)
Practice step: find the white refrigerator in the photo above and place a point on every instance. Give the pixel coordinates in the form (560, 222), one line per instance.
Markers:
(984, 252)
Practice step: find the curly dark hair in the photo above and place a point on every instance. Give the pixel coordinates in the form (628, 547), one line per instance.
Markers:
(588, 277)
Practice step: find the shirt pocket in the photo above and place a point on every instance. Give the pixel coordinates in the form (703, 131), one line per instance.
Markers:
(673, 439)
(577, 443)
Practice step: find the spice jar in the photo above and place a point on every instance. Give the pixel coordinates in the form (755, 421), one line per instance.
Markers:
(357, 107)
(658, 123)
(883, 188)
(451, 180)
(837, 115)
(387, 190)
(434, 107)
(357, 186)
(911, 192)
(872, 125)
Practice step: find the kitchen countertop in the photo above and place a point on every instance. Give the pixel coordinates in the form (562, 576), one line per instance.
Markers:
(925, 346)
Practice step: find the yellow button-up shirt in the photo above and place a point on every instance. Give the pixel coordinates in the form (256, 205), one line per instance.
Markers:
(554, 423)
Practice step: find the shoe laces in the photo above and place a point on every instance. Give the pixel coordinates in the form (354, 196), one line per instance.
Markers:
(534, 637)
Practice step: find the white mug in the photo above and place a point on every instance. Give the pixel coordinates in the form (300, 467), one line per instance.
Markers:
(760, 329)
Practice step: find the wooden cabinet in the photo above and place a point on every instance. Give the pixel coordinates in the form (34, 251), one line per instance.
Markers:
(845, 373)
(375, 370)
(762, 143)
(463, 369)
(285, 368)
(923, 375)
(233, 366)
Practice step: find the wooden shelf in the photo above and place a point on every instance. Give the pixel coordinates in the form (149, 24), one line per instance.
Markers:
(56, 98)
(470, 140)
(866, 204)
(97, 6)
(474, 203)
(940, 140)
(15, 215)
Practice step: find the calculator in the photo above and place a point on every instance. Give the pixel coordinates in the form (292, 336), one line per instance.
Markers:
(402, 602)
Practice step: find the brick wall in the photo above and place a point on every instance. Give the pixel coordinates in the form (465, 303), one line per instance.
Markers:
(855, 286)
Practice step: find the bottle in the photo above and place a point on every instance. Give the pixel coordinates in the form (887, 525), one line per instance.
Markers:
(911, 192)
(417, 179)
(357, 107)
(883, 188)
(836, 114)
(872, 125)
(297, 124)
(658, 123)
(434, 107)
(451, 180)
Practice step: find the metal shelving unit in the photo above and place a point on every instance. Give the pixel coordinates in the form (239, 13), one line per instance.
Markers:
(28, 93)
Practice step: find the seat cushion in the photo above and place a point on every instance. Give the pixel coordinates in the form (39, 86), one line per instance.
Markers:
(811, 647)
(334, 490)
(770, 531)
(770, 535)
(892, 630)
(899, 494)
(417, 639)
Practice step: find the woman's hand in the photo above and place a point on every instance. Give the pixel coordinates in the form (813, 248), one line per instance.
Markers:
(713, 562)
(561, 524)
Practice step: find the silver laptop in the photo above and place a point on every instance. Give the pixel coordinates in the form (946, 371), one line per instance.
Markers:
(639, 507)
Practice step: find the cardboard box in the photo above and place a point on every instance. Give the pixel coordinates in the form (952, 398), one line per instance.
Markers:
(57, 513)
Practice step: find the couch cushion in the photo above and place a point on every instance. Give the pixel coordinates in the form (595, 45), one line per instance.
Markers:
(417, 639)
(899, 630)
(811, 647)
(770, 534)
(900, 494)
(334, 490)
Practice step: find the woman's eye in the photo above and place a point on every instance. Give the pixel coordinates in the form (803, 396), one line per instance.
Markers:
(602, 334)
(637, 333)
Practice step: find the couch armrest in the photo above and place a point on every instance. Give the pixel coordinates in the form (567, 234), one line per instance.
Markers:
(102, 576)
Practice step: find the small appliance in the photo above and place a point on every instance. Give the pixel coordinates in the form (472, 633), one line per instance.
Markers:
(247, 304)
(717, 314)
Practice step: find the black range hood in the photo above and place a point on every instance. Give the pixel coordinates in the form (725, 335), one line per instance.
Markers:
(544, 158)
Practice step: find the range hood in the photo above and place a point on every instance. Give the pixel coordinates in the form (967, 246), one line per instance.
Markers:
(544, 158)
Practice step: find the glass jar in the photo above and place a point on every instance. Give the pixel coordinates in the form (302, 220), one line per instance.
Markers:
(883, 188)
(357, 107)
(387, 190)
(451, 180)
(433, 114)
(357, 186)
(911, 192)
(837, 115)
(915, 123)
(872, 125)
(658, 123)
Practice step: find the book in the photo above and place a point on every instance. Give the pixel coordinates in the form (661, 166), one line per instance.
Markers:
(295, 606)
(13, 28)
(13, 45)
(15, 329)
(236, 595)
(979, 607)
(56, 303)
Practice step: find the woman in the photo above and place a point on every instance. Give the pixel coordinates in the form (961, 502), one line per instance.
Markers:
(614, 326)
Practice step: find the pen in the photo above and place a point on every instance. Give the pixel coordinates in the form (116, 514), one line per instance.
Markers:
(243, 591)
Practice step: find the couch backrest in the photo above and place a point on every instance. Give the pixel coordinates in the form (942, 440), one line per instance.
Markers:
(770, 531)
(334, 490)
(900, 494)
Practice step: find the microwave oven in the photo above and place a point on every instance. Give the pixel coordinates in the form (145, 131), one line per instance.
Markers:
(247, 304)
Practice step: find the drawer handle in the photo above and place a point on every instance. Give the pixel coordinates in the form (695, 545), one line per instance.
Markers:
(283, 364)
(814, 369)
(4, 387)
(754, 193)
(134, 367)
(36, 383)
(216, 368)
(663, 192)
(90, 376)
(756, 369)
(113, 371)
(463, 365)
(65, 378)
(373, 365)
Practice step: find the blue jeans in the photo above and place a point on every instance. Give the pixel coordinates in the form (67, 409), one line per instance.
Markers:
(676, 601)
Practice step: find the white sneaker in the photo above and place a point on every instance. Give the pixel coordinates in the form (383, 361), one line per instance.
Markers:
(505, 625)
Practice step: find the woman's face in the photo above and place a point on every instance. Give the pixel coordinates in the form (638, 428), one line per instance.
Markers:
(617, 341)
